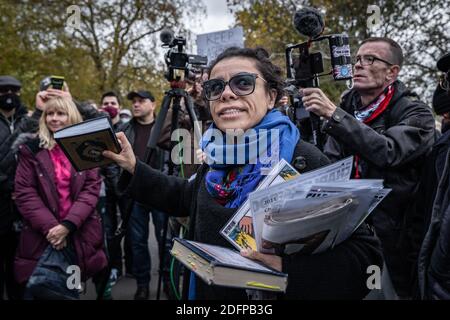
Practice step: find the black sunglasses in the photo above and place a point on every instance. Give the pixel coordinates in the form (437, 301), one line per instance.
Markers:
(6, 89)
(241, 84)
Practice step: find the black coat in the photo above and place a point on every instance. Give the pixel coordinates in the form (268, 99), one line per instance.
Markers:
(432, 224)
(10, 129)
(392, 147)
(335, 274)
(156, 159)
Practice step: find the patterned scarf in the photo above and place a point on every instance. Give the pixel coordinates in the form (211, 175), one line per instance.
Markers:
(235, 171)
(374, 109)
(370, 113)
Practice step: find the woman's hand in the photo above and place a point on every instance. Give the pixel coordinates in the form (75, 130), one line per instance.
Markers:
(246, 225)
(126, 158)
(41, 98)
(51, 93)
(270, 260)
(57, 236)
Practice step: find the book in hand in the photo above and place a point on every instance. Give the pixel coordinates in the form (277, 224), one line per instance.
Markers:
(226, 267)
(84, 142)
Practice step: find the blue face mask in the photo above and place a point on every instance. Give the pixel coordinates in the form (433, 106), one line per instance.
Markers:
(9, 101)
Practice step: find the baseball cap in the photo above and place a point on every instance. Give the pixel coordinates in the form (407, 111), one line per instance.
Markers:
(142, 94)
(8, 81)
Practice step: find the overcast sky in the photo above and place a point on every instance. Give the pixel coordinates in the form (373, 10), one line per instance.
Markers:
(217, 17)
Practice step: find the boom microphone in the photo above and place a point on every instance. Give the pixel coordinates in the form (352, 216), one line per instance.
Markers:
(166, 36)
(309, 22)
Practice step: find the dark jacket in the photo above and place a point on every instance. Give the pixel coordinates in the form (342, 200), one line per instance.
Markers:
(156, 160)
(110, 175)
(10, 129)
(392, 147)
(37, 201)
(339, 273)
(432, 211)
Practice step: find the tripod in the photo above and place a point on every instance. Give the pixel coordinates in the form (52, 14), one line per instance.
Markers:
(173, 97)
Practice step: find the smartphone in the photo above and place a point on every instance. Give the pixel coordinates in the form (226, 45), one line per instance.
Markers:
(57, 82)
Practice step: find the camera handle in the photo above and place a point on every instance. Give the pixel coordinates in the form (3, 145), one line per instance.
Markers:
(310, 81)
(315, 120)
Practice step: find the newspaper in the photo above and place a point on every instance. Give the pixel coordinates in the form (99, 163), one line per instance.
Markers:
(288, 217)
(309, 227)
(239, 230)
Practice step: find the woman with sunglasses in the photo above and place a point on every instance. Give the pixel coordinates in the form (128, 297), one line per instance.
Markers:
(242, 90)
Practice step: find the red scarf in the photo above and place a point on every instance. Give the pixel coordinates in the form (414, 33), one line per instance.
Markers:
(386, 98)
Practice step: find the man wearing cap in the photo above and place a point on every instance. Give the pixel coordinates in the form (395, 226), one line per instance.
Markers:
(433, 207)
(13, 121)
(138, 131)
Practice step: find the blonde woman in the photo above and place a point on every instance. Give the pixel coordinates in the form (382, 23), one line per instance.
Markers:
(55, 201)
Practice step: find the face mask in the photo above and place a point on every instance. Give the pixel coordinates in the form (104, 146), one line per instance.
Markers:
(111, 111)
(125, 120)
(9, 101)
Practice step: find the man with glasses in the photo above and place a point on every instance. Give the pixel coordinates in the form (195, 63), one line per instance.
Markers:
(389, 132)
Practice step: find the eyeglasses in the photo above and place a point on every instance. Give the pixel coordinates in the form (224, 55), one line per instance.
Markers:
(368, 60)
(241, 84)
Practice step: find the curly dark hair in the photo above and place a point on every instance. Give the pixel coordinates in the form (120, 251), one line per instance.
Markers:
(270, 72)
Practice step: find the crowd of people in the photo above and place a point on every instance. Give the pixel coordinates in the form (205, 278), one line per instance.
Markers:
(390, 132)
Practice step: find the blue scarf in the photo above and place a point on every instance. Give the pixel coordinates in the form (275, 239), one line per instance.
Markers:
(235, 168)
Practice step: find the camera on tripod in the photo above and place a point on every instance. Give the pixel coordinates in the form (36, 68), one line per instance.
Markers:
(303, 68)
(187, 64)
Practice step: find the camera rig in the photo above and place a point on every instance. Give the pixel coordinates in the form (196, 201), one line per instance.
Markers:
(304, 68)
(181, 65)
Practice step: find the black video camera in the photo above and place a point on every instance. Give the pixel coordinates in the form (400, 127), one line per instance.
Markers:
(176, 59)
(303, 68)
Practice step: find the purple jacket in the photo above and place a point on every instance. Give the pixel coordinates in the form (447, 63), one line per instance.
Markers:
(37, 201)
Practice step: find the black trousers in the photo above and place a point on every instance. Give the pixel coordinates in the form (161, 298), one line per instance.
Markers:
(8, 246)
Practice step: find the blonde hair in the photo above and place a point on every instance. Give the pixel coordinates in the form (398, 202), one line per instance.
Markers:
(65, 105)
